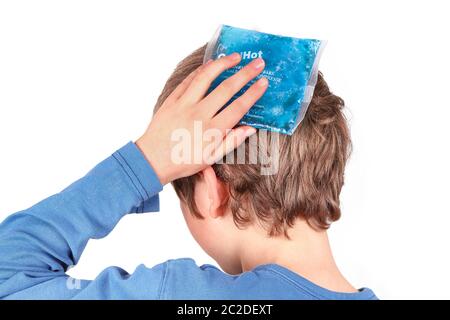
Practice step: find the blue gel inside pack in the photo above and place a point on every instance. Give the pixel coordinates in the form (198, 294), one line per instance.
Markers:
(291, 68)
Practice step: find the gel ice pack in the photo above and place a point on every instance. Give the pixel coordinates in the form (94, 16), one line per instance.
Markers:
(291, 68)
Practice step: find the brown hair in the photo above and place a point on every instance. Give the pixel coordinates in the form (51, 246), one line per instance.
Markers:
(310, 173)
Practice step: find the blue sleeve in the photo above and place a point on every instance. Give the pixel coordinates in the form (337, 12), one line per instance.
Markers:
(39, 244)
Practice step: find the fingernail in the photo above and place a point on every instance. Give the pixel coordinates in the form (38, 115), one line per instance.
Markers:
(209, 61)
(258, 63)
(262, 82)
(250, 131)
(235, 56)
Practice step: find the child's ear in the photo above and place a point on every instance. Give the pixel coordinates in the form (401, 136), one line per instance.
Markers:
(217, 193)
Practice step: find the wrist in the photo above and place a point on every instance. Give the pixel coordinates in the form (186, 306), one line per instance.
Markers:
(149, 151)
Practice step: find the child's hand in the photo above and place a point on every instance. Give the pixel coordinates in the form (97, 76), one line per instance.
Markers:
(186, 135)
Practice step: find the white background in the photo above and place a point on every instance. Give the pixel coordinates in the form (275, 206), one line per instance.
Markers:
(78, 79)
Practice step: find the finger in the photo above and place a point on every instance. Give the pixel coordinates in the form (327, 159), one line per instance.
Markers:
(181, 88)
(202, 81)
(232, 140)
(229, 87)
(231, 115)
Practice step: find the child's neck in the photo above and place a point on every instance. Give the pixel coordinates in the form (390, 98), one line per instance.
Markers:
(307, 253)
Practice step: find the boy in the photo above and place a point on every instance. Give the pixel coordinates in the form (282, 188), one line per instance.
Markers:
(266, 231)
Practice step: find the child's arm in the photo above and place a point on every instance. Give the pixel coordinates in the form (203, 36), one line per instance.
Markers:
(39, 244)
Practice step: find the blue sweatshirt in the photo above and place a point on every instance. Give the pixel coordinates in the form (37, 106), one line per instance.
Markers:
(39, 244)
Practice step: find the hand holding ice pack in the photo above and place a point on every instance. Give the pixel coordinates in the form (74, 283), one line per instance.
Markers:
(291, 68)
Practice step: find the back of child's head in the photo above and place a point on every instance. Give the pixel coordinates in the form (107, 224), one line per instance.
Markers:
(310, 166)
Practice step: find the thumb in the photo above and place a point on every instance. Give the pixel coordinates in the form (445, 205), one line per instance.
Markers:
(232, 140)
